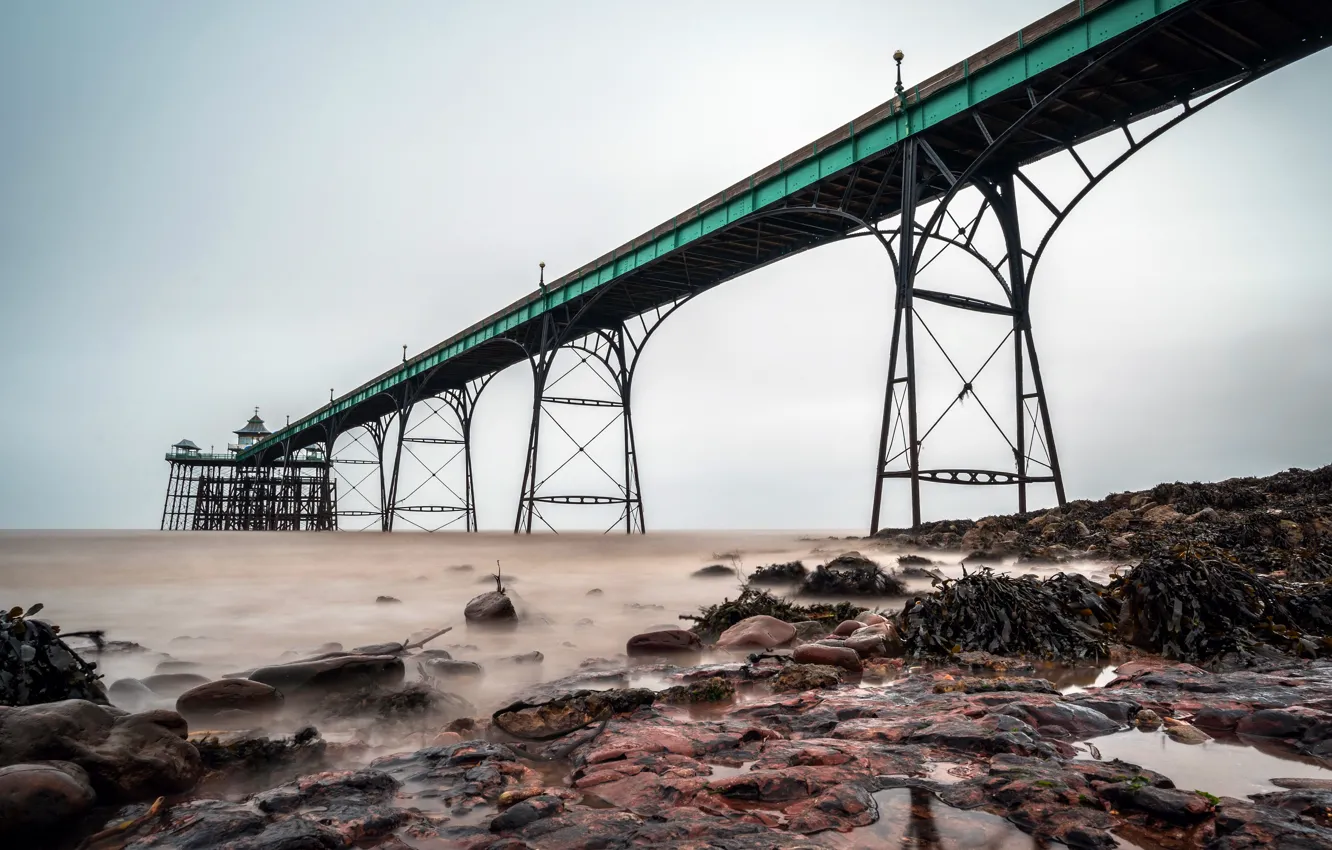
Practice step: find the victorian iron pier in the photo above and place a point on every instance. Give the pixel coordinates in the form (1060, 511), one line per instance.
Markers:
(942, 168)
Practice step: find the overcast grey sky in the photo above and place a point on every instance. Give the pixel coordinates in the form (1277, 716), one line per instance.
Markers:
(209, 207)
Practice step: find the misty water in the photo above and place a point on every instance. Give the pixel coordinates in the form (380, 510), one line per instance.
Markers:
(229, 602)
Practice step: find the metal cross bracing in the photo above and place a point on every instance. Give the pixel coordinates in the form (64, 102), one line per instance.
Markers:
(227, 496)
(584, 415)
(955, 157)
(431, 485)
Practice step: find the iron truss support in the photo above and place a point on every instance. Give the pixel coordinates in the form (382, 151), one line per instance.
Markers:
(935, 183)
(435, 436)
(611, 356)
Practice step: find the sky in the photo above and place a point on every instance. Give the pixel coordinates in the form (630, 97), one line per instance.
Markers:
(213, 207)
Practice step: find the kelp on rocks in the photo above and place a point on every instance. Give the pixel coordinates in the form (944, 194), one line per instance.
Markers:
(712, 620)
(779, 573)
(1197, 604)
(1000, 614)
(851, 575)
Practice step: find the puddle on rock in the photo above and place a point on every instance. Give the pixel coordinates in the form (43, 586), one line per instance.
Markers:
(723, 772)
(1076, 680)
(1226, 768)
(945, 772)
(915, 818)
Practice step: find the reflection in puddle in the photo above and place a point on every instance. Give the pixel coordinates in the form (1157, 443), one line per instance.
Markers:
(945, 772)
(1223, 768)
(724, 772)
(912, 817)
(1076, 680)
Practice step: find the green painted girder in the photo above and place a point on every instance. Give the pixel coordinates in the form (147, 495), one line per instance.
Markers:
(1008, 66)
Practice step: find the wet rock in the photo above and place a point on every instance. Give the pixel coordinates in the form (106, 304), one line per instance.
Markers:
(127, 758)
(663, 642)
(832, 656)
(458, 777)
(805, 677)
(568, 713)
(447, 668)
(491, 607)
(1162, 515)
(1245, 826)
(528, 811)
(1170, 804)
(1078, 720)
(713, 689)
(210, 702)
(1303, 783)
(1147, 719)
(133, 695)
(846, 628)
(433, 653)
(757, 632)
(596, 591)
(329, 675)
(382, 600)
(867, 646)
(714, 571)
(42, 800)
(1117, 521)
(37, 666)
(1185, 733)
(533, 657)
(172, 684)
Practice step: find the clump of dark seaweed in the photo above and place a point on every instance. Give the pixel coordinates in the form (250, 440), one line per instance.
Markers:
(999, 614)
(712, 620)
(1197, 604)
(851, 574)
(779, 573)
(36, 666)
(1082, 597)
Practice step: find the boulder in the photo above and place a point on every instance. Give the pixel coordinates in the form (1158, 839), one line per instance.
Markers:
(127, 757)
(1117, 521)
(328, 675)
(810, 629)
(172, 684)
(833, 656)
(892, 641)
(663, 642)
(41, 800)
(446, 668)
(491, 607)
(209, 702)
(714, 571)
(133, 695)
(867, 646)
(1162, 515)
(757, 632)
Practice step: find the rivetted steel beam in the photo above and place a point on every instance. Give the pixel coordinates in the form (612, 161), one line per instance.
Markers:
(962, 302)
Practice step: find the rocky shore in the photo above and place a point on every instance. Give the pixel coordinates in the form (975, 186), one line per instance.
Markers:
(851, 712)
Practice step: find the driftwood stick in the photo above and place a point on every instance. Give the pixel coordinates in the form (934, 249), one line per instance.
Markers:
(423, 641)
(124, 826)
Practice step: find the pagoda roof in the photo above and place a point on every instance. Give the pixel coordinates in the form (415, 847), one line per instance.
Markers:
(254, 426)
(186, 445)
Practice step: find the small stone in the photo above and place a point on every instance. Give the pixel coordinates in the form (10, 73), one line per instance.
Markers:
(387, 599)
(846, 628)
(533, 657)
(715, 571)
(1147, 719)
(1184, 733)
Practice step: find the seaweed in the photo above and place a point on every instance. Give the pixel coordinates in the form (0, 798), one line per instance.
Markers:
(779, 573)
(37, 666)
(1196, 603)
(712, 620)
(997, 613)
(851, 575)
